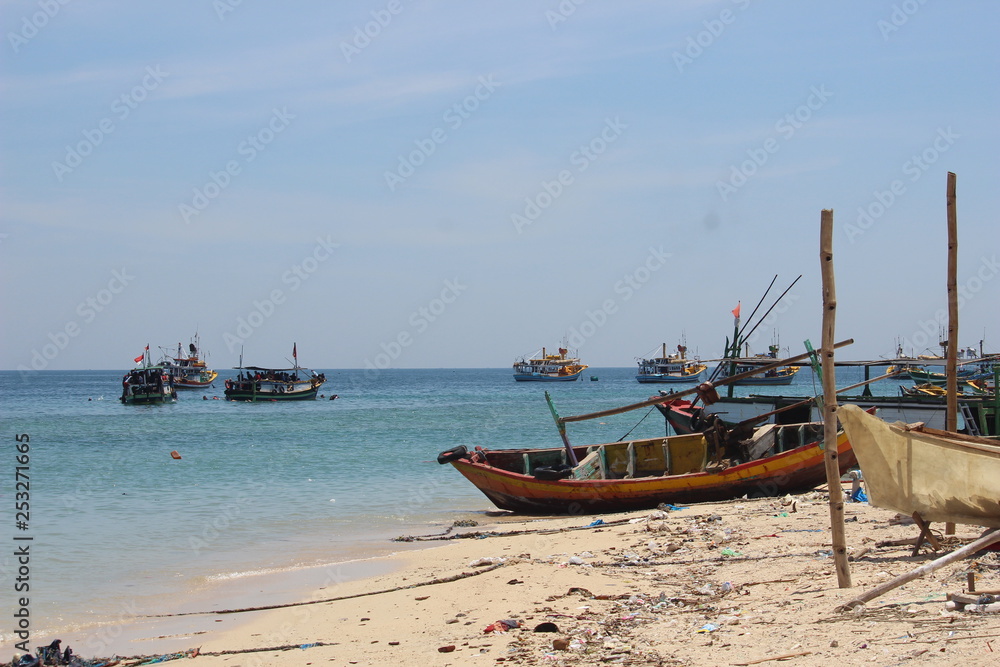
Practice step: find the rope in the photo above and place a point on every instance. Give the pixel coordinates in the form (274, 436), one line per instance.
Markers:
(441, 580)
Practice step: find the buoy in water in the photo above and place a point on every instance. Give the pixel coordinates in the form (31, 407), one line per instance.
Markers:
(174, 454)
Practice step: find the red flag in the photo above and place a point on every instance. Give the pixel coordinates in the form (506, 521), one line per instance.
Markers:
(139, 358)
(736, 310)
(294, 353)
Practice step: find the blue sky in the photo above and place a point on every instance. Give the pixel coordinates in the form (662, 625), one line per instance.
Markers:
(433, 184)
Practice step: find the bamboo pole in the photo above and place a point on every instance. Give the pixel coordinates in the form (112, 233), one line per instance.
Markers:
(926, 568)
(687, 392)
(951, 411)
(838, 531)
(951, 417)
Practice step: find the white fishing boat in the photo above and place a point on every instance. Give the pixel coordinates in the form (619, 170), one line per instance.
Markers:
(941, 475)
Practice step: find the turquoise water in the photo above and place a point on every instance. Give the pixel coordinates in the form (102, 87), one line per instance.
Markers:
(117, 523)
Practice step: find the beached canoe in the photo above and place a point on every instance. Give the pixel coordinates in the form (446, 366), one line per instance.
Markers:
(641, 474)
(941, 475)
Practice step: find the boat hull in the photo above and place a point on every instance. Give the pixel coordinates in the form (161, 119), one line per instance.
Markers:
(797, 469)
(545, 377)
(148, 398)
(270, 395)
(654, 378)
(942, 477)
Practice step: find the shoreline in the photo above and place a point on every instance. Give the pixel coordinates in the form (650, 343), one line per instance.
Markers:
(712, 583)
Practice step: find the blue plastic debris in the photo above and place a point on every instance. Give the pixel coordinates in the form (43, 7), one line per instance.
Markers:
(596, 522)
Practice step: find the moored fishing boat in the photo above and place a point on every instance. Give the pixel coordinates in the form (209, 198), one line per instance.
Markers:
(191, 371)
(549, 368)
(147, 384)
(776, 376)
(672, 368)
(620, 476)
(255, 383)
(941, 475)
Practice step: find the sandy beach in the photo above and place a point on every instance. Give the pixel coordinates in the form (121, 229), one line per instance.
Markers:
(735, 583)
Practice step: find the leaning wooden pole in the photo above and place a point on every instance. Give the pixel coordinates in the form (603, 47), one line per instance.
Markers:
(969, 549)
(830, 402)
(951, 372)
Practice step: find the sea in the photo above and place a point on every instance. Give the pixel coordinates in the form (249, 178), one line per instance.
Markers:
(116, 526)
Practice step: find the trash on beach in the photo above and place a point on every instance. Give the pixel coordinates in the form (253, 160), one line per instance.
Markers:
(546, 627)
(502, 626)
(595, 522)
(487, 560)
(708, 627)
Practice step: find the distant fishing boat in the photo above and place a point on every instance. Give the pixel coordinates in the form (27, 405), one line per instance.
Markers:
(189, 372)
(256, 383)
(549, 368)
(672, 368)
(776, 376)
(147, 384)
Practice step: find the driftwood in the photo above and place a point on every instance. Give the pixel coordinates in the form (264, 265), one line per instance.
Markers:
(985, 541)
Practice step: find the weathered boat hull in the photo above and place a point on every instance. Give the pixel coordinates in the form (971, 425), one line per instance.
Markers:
(669, 377)
(271, 395)
(542, 377)
(149, 398)
(942, 476)
(793, 470)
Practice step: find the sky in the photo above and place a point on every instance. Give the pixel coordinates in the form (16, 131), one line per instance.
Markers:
(407, 184)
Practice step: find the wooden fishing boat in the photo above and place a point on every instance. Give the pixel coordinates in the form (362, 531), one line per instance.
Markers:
(639, 474)
(941, 475)
(254, 383)
(777, 376)
(670, 368)
(191, 371)
(549, 368)
(147, 385)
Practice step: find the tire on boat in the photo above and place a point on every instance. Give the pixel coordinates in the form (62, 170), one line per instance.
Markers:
(560, 471)
(453, 454)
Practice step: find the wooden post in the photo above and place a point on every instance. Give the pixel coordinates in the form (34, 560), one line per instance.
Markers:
(926, 568)
(951, 410)
(830, 402)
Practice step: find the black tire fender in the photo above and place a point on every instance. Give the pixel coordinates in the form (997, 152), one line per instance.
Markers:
(453, 454)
